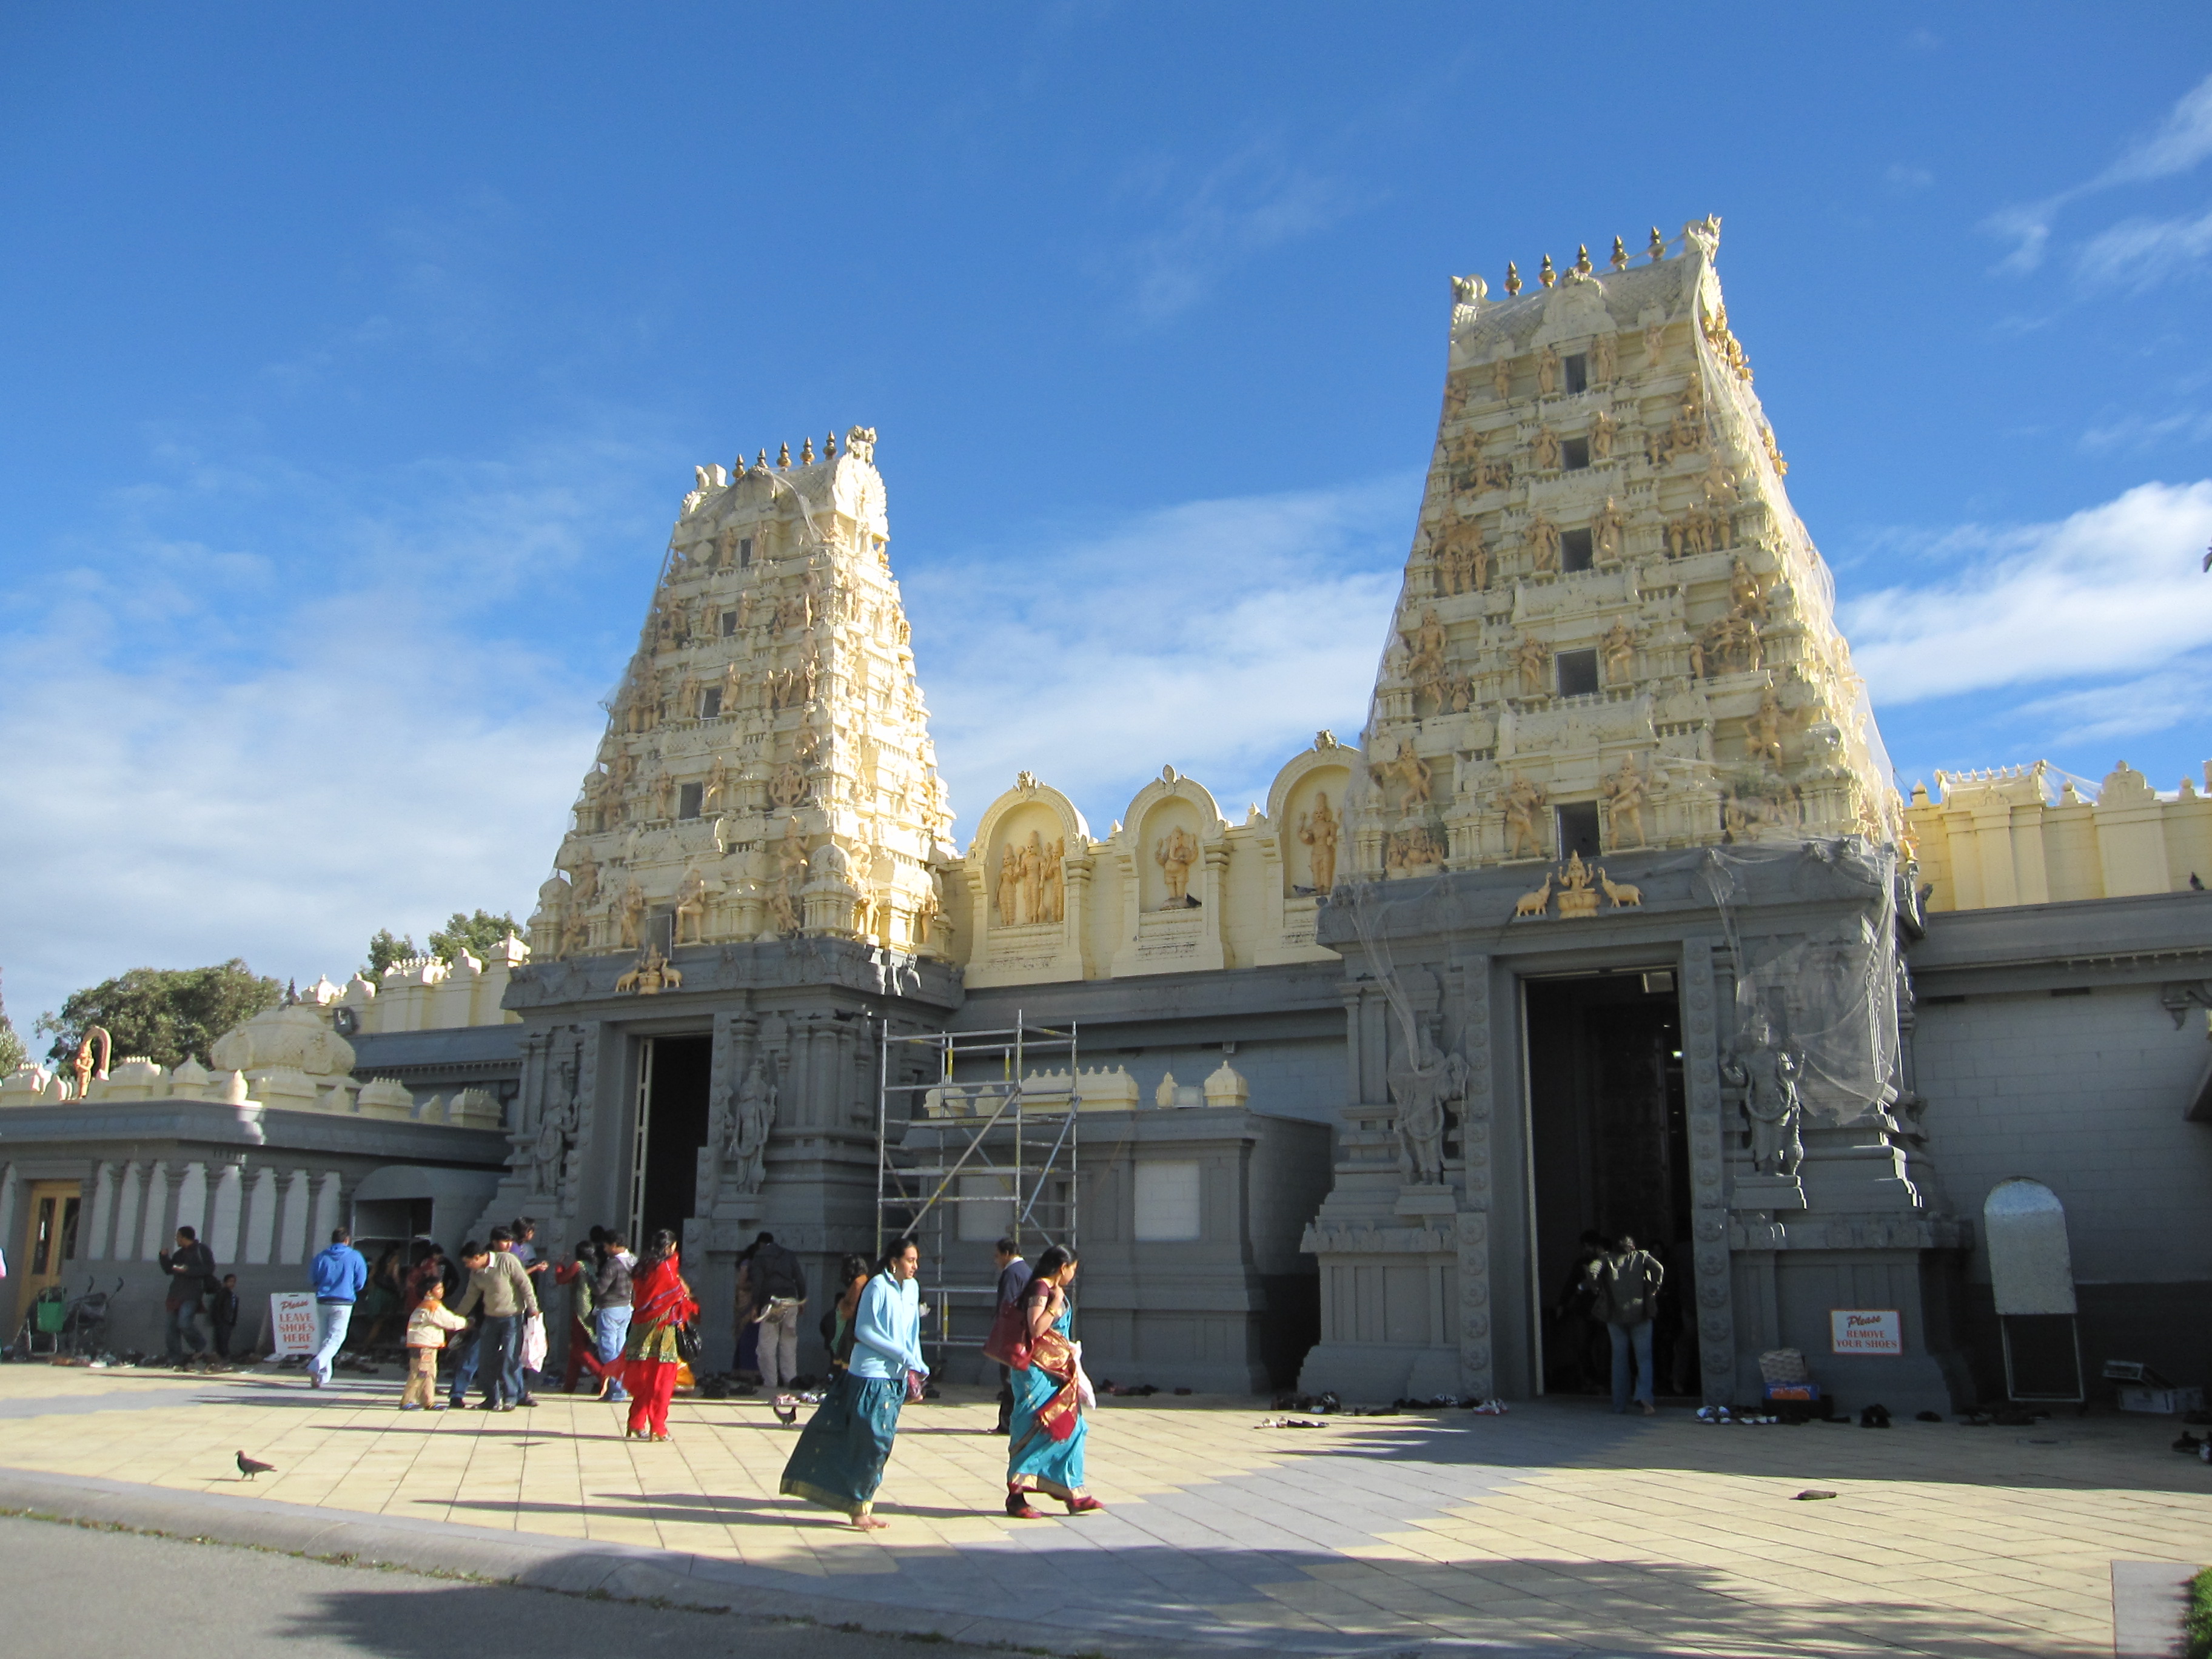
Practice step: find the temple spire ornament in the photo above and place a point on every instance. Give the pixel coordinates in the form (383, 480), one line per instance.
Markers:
(1512, 277)
(1620, 255)
(1547, 276)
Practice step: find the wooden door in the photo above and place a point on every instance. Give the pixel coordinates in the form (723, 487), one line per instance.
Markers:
(47, 1240)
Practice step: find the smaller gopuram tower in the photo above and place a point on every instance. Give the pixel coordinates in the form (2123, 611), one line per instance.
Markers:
(1613, 632)
(767, 770)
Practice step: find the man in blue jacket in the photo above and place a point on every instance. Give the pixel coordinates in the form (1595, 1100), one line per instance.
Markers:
(337, 1274)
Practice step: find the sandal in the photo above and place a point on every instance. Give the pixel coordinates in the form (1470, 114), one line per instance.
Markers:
(1084, 1506)
(1018, 1505)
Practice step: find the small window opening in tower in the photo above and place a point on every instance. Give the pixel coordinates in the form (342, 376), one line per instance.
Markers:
(1575, 550)
(729, 623)
(687, 799)
(1577, 672)
(1578, 368)
(1577, 821)
(710, 702)
(1574, 455)
(745, 551)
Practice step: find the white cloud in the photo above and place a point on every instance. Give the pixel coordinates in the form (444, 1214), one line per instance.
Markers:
(2112, 591)
(271, 752)
(2149, 432)
(2130, 707)
(1904, 177)
(1216, 637)
(2183, 141)
(2141, 253)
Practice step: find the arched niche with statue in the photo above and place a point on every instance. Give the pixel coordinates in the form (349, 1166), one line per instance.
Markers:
(1027, 874)
(1172, 855)
(1306, 849)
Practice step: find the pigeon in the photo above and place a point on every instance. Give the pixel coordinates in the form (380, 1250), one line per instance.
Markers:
(250, 1467)
(786, 1412)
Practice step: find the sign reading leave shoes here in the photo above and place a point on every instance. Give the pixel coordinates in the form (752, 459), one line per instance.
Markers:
(292, 1322)
(1865, 1330)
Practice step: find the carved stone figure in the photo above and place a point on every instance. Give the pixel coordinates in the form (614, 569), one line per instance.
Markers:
(1421, 1090)
(1547, 369)
(1009, 885)
(1747, 596)
(788, 787)
(1318, 830)
(629, 913)
(1543, 545)
(1428, 643)
(548, 1152)
(1767, 1074)
(691, 907)
(1618, 647)
(1625, 793)
(752, 1122)
(1655, 345)
(1175, 853)
(718, 794)
(1522, 801)
(733, 684)
(1763, 732)
(1409, 769)
(1532, 656)
(1602, 360)
(1501, 378)
(585, 885)
(791, 876)
(1576, 896)
(1052, 882)
(1607, 531)
(1545, 451)
(1032, 894)
(1602, 436)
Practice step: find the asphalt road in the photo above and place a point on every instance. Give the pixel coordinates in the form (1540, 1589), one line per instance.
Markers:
(68, 1591)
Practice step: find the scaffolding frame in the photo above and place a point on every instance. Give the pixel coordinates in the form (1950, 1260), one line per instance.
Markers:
(1018, 1137)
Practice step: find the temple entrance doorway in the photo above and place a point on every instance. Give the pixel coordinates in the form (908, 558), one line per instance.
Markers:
(1609, 1150)
(672, 1117)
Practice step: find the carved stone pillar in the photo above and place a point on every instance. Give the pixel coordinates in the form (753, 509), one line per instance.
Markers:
(1469, 990)
(1701, 1047)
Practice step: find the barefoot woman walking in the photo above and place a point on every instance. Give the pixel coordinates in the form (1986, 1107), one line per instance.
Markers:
(839, 1461)
(1045, 1448)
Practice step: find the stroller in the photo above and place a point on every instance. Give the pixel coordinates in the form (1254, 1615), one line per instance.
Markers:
(58, 1325)
(86, 1318)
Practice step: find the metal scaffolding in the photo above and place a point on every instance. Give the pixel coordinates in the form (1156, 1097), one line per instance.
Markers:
(993, 1122)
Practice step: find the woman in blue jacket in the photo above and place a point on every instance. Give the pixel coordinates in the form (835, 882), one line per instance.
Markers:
(839, 1461)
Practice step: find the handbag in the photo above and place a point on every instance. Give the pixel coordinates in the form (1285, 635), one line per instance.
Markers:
(1008, 1344)
(690, 1344)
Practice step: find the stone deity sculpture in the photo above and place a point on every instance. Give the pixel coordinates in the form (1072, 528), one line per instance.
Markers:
(1175, 853)
(1052, 892)
(1547, 370)
(1606, 532)
(1545, 451)
(1767, 1074)
(1530, 656)
(629, 913)
(1543, 545)
(1602, 436)
(1522, 801)
(1501, 378)
(1318, 829)
(1626, 795)
(1009, 885)
(1421, 1091)
(1602, 360)
(752, 1119)
(691, 908)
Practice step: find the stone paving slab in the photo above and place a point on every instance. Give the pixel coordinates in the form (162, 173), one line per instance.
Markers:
(1559, 1529)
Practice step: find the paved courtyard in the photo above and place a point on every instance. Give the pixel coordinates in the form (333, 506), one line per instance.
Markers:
(1560, 1524)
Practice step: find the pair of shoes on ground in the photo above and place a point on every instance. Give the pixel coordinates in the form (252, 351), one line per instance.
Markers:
(1018, 1505)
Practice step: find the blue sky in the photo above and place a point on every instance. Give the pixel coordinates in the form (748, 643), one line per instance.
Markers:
(353, 363)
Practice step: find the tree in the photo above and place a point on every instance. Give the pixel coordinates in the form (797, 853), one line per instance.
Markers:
(479, 934)
(384, 949)
(168, 1015)
(12, 1052)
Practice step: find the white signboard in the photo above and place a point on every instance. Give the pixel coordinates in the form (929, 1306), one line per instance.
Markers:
(1865, 1330)
(292, 1318)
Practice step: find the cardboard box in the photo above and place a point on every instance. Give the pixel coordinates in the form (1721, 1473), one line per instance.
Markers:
(1799, 1391)
(2162, 1402)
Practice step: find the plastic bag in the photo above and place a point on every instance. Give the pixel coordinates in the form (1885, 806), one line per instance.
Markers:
(533, 1343)
(1086, 1395)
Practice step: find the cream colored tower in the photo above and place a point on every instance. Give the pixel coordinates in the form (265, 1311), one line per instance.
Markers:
(1611, 620)
(767, 768)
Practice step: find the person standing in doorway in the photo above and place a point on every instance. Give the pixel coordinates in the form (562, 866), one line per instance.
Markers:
(1044, 1450)
(779, 1285)
(190, 1268)
(613, 1296)
(1013, 1279)
(1627, 1284)
(498, 1281)
(650, 1358)
(839, 1461)
(337, 1274)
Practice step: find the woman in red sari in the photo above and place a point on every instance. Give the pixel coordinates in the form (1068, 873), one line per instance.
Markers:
(650, 1361)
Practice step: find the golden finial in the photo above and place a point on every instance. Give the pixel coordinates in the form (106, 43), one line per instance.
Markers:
(1620, 255)
(806, 452)
(761, 460)
(830, 445)
(1547, 276)
(1582, 259)
(1512, 277)
(783, 455)
(1658, 248)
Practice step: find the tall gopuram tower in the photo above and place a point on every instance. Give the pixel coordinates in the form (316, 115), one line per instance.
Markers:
(744, 890)
(1614, 633)
(1621, 935)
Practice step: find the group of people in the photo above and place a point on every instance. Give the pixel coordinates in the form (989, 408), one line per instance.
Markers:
(195, 1292)
(1614, 1287)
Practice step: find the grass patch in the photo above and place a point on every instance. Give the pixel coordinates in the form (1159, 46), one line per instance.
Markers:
(2197, 1624)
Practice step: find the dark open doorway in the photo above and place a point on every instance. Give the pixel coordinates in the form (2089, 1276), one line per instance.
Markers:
(1609, 1139)
(675, 1128)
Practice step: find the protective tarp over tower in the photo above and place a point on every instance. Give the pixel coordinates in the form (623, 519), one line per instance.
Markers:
(1612, 627)
(767, 769)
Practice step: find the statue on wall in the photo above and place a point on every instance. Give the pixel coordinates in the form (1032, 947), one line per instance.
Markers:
(1601, 435)
(1421, 1090)
(791, 876)
(1052, 893)
(1501, 378)
(1318, 829)
(585, 888)
(691, 907)
(1010, 885)
(1032, 893)
(1410, 769)
(1545, 450)
(1655, 345)
(1602, 360)
(1748, 598)
(1543, 545)
(1175, 853)
(1531, 656)
(1619, 648)
(629, 913)
(1606, 532)
(1547, 370)
(716, 795)
(1763, 733)
(1767, 1074)
(1625, 793)
(1522, 801)
(752, 1121)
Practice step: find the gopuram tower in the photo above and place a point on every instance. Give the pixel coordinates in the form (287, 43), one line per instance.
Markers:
(1613, 632)
(745, 893)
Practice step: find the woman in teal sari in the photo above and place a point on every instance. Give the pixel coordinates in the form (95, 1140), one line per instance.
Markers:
(839, 1461)
(1044, 1450)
